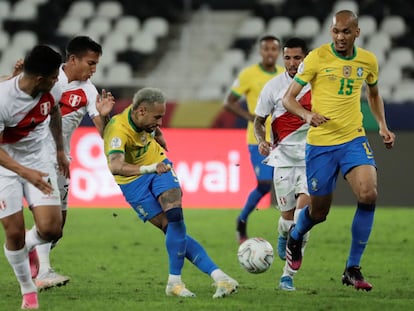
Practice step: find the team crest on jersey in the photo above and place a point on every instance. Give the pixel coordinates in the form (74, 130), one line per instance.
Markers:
(45, 108)
(314, 184)
(144, 138)
(347, 71)
(74, 100)
(360, 71)
(116, 142)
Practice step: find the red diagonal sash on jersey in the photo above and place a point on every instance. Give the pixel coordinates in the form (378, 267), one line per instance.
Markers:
(72, 100)
(33, 118)
(287, 123)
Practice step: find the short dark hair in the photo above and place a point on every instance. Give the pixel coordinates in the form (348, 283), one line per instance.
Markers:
(296, 43)
(269, 37)
(80, 45)
(42, 60)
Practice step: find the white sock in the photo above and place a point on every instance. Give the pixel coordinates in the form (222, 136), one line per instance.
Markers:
(218, 275)
(288, 271)
(19, 260)
(43, 252)
(33, 239)
(284, 226)
(174, 278)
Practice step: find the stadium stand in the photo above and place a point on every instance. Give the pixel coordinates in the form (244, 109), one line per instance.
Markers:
(193, 49)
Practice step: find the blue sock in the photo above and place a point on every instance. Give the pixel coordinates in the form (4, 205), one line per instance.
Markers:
(199, 257)
(175, 240)
(303, 225)
(253, 199)
(361, 230)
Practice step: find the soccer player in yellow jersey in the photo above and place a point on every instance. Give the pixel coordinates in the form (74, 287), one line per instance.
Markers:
(336, 141)
(135, 149)
(249, 83)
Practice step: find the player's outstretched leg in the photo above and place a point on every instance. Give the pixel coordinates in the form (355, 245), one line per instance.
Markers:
(225, 285)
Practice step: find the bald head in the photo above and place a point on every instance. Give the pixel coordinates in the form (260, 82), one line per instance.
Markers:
(345, 15)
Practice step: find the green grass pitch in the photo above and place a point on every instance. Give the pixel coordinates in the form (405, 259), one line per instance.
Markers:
(118, 263)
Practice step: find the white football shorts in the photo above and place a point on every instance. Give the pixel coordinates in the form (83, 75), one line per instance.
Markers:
(289, 182)
(13, 189)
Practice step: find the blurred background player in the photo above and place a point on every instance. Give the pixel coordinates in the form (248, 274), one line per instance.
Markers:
(286, 151)
(28, 108)
(79, 98)
(336, 140)
(136, 157)
(249, 83)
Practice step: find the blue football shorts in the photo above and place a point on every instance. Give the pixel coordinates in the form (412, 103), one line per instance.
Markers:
(323, 163)
(262, 171)
(142, 193)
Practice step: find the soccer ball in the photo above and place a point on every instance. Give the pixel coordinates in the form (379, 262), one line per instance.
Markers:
(255, 255)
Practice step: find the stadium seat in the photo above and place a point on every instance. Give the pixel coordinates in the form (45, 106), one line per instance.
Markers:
(404, 92)
(71, 26)
(345, 5)
(381, 41)
(119, 74)
(115, 42)
(156, 26)
(5, 9)
(233, 58)
(107, 58)
(24, 10)
(251, 27)
(24, 40)
(97, 27)
(127, 24)
(280, 26)
(368, 26)
(144, 43)
(389, 75)
(109, 9)
(401, 56)
(393, 25)
(210, 92)
(83, 9)
(307, 27)
(4, 40)
(318, 40)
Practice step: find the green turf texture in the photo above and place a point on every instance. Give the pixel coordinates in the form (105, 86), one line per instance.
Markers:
(118, 263)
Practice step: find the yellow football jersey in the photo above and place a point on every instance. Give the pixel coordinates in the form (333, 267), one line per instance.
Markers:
(336, 84)
(250, 83)
(139, 147)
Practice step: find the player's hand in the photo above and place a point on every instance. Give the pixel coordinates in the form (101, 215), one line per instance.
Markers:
(388, 138)
(105, 103)
(37, 178)
(264, 148)
(63, 164)
(18, 67)
(315, 119)
(163, 168)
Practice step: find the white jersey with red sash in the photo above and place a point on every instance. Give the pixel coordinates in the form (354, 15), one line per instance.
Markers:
(288, 131)
(78, 98)
(24, 121)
